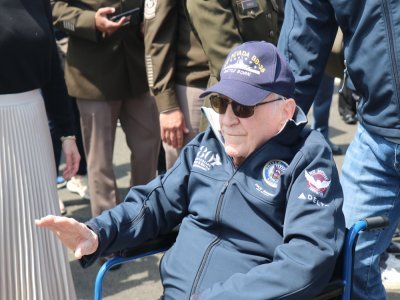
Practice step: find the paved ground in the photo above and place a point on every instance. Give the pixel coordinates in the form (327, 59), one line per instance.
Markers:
(140, 280)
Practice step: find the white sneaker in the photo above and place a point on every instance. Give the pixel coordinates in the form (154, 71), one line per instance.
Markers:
(63, 210)
(78, 184)
(390, 271)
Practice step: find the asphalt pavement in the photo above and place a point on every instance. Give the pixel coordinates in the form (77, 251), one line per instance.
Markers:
(140, 280)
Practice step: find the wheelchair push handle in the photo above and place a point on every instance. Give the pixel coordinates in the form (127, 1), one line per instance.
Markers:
(378, 222)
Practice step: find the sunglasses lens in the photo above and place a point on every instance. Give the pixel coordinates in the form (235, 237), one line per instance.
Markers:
(219, 104)
(242, 111)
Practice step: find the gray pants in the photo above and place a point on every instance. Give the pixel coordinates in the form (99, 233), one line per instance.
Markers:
(140, 122)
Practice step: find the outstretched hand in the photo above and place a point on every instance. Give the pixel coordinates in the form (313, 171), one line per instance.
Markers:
(74, 235)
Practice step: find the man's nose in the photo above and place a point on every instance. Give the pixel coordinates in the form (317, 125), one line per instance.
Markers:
(229, 118)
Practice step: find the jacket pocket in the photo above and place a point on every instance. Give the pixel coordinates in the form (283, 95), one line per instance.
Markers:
(256, 19)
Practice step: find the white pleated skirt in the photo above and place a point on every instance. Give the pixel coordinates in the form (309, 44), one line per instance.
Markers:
(33, 263)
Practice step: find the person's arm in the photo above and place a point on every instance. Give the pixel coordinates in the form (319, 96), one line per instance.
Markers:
(214, 24)
(160, 31)
(307, 35)
(58, 106)
(76, 21)
(148, 211)
(82, 21)
(313, 234)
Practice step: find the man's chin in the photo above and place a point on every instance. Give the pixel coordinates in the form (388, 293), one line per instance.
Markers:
(231, 151)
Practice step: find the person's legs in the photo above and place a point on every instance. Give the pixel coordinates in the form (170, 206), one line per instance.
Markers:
(321, 107)
(370, 179)
(98, 123)
(190, 104)
(140, 122)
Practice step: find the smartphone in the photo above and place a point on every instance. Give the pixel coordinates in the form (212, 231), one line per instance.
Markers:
(117, 17)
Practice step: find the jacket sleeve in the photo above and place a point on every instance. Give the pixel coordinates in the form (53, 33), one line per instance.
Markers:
(55, 95)
(76, 21)
(306, 39)
(313, 235)
(148, 210)
(214, 23)
(160, 43)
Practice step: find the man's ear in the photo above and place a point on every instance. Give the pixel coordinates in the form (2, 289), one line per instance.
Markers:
(289, 108)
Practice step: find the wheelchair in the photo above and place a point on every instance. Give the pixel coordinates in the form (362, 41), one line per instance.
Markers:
(339, 287)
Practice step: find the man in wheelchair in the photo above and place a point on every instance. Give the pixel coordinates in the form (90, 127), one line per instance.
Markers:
(257, 196)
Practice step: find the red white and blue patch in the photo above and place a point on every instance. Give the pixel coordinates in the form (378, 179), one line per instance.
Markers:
(317, 181)
(272, 171)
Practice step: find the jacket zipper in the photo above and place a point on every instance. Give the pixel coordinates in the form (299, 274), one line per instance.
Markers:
(389, 24)
(213, 243)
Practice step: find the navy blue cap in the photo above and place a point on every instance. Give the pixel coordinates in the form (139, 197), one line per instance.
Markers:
(251, 72)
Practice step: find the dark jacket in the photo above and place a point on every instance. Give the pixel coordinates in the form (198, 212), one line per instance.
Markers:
(371, 49)
(99, 66)
(222, 25)
(271, 228)
(173, 53)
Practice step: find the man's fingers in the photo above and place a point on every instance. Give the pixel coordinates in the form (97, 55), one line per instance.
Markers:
(45, 221)
(105, 11)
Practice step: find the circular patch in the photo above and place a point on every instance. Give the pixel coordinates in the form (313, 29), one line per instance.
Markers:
(150, 9)
(272, 171)
(317, 181)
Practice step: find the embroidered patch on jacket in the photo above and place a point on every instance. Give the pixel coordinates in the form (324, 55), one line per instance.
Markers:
(317, 181)
(272, 171)
(205, 159)
(149, 69)
(150, 9)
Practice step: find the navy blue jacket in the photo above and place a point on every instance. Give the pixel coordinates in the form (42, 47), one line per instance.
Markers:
(271, 228)
(371, 32)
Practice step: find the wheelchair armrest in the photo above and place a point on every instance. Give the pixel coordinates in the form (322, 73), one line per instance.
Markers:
(164, 241)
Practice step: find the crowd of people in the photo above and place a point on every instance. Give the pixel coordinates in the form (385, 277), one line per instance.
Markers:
(225, 88)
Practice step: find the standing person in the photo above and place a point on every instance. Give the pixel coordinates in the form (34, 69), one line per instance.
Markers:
(177, 70)
(30, 71)
(105, 71)
(257, 195)
(371, 170)
(222, 25)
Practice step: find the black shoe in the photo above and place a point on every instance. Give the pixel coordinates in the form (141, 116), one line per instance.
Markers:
(336, 150)
(349, 119)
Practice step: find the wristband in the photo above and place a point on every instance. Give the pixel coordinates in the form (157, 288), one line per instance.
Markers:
(69, 137)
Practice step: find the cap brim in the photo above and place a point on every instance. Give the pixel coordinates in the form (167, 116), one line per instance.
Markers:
(239, 91)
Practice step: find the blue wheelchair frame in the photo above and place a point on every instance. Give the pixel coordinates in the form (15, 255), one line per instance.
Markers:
(343, 286)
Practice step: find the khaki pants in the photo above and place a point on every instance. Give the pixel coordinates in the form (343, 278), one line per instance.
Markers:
(140, 122)
(190, 104)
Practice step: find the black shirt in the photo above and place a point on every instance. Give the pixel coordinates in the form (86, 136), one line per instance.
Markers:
(29, 58)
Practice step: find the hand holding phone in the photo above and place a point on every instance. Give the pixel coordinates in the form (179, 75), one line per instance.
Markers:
(128, 14)
(103, 23)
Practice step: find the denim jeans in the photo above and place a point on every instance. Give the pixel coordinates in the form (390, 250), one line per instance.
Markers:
(371, 185)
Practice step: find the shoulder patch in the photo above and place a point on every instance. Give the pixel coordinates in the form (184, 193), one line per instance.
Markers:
(317, 181)
(272, 171)
(150, 9)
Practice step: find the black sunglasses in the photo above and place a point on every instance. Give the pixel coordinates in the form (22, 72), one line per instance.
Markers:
(220, 104)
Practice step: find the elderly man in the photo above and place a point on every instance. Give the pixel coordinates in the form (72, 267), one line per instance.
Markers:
(257, 195)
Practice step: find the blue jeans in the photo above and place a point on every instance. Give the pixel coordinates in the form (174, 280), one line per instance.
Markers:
(371, 185)
(322, 105)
